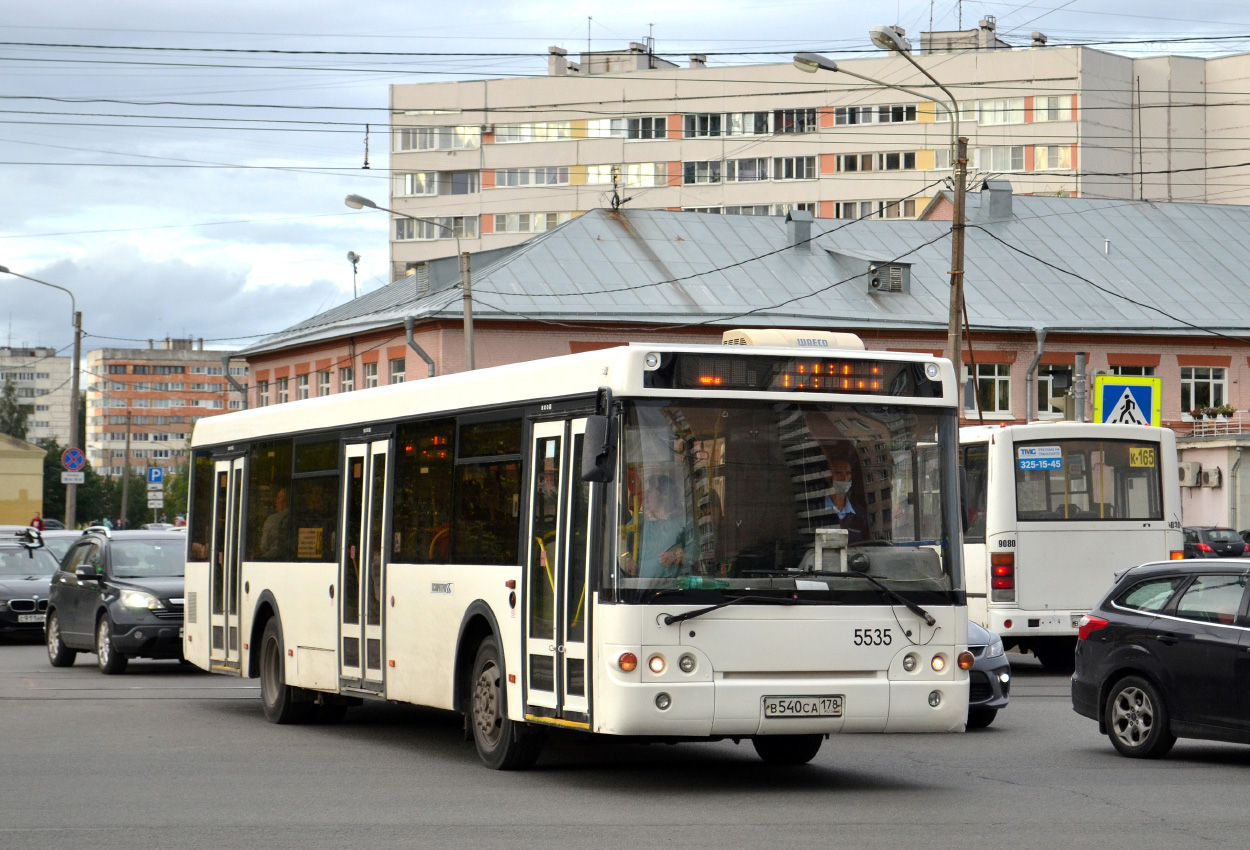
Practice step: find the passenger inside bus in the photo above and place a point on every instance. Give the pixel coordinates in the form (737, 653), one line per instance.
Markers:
(664, 537)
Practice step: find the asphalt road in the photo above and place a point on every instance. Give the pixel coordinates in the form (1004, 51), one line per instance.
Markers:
(167, 758)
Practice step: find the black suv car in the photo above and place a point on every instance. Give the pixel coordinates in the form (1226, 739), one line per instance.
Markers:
(25, 575)
(1163, 656)
(1206, 542)
(118, 594)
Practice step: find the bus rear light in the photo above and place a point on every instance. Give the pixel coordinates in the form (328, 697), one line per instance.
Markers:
(966, 660)
(1177, 555)
(628, 662)
(1089, 625)
(1003, 577)
(1006, 624)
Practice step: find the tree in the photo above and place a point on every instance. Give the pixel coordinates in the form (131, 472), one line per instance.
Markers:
(13, 416)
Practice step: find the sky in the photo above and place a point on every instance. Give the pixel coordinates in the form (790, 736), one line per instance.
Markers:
(181, 168)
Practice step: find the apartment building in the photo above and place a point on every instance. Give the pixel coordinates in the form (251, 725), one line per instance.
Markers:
(494, 162)
(150, 399)
(42, 380)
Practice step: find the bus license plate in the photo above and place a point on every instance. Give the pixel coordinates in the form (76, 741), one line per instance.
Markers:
(830, 706)
(31, 618)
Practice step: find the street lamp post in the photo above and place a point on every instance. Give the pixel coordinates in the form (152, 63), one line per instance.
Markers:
(357, 202)
(71, 490)
(887, 38)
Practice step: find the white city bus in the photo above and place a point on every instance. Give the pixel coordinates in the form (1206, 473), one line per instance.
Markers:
(643, 541)
(1055, 509)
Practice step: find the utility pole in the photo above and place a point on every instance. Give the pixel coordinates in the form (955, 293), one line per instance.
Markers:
(955, 325)
(466, 283)
(71, 490)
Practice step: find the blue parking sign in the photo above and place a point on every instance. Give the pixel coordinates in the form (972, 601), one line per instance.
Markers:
(156, 475)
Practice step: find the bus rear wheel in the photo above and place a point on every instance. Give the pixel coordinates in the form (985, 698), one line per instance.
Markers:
(501, 743)
(276, 696)
(1058, 655)
(787, 749)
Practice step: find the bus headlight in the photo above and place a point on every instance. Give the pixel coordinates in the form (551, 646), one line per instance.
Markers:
(910, 661)
(656, 664)
(938, 664)
(663, 701)
(935, 699)
(686, 663)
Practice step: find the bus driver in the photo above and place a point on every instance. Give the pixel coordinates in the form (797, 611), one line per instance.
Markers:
(665, 537)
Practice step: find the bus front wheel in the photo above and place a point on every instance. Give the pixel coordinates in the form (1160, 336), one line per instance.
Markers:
(276, 696)
(501, 743)
(787, 749)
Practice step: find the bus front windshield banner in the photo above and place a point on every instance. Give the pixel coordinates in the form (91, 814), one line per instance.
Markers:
(782, 499)
(1088, 480)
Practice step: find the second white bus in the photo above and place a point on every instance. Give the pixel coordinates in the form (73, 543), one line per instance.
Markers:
(1054, 510)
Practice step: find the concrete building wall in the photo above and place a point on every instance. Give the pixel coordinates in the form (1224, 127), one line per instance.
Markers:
(42, 380)
(21, 480)
(141, 390)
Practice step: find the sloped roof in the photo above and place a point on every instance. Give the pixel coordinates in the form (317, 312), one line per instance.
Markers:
(658, 267)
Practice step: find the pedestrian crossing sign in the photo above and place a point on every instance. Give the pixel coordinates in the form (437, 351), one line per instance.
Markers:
(1120, 400)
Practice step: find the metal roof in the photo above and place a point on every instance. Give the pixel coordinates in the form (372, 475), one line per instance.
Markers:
(659, 267)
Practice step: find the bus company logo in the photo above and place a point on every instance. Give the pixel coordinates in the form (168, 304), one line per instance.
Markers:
(804, 342)
(440, 587)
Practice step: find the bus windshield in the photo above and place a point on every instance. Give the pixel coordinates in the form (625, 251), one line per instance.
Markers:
(741, 495)
(1088, 480)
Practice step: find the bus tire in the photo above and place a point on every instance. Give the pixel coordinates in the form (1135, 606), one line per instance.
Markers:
(278, 698)
(787, 749)
(501, 743)
(1057, 655)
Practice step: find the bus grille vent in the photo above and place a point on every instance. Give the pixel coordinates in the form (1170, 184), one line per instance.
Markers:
(191, 607)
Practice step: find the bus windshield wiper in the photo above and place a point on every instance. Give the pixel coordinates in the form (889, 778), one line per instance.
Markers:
(669, 619)
(890, 593)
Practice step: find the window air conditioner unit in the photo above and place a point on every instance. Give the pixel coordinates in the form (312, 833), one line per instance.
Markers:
(1190, 474)
(1211, 477)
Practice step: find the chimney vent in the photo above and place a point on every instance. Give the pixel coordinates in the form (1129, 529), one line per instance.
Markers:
(799, 229)
(995, 200)
(1039, 39)
(698, 60)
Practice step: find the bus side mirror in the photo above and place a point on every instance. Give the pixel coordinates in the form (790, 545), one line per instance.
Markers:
(599, 450)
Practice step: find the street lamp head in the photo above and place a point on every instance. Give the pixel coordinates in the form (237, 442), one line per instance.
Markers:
(5, 270)
(353, 258)
(358, 202)
(888, 38)
(813, 62)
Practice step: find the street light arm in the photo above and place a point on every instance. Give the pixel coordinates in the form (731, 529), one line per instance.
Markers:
(953, 109)
(73, 304)
(357, 202)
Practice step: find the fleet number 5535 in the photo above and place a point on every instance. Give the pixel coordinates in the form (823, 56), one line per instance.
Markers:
(873, 637)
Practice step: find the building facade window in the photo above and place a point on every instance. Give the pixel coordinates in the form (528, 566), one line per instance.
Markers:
(347, 379)
(746, 170)
(323, 383)
(416, 184)
(747, 124)
(708, 210)
(549, 176)
(708, 171)
(794, 168)
(1003, 110)
(284, 390)
(994, 387)
(410, 230)
(262, 393)
(900, 161)
(1046, 408)
(702, 125)
(397, 370)
(647, 127)
(545, 131)
(750, 209)
(1052, 157)
(1052, 108)
(437, 139)
(301, 387)
(371, 375)
(1203, 386)
(999, 158)
(1133, 371)
(856, 161)
(529, 222)
(794, 121)
(898, 209)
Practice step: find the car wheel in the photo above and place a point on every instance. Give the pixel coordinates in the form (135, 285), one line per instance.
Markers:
(276, 696)
(501, 743)
(979, 718)
(58, 653)
(107, 658)
(1137, 719)
(787, 749)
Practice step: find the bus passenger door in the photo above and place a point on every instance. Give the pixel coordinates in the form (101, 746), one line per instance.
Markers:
(361, 560)
(556, 608)
(224, 652)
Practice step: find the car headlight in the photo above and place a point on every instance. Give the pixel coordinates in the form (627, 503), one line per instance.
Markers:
(995, 649)
(140, 599)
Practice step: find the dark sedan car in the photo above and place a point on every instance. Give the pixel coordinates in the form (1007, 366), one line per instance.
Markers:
(989, 680)
(1203, 542)
(1163, 656)
(25, 576)
(118, 594)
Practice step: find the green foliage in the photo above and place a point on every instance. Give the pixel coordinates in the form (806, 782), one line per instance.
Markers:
(13, 416)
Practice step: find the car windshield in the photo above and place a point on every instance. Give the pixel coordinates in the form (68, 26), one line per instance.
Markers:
(18, 561)
(763, 496)
(148, 558)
